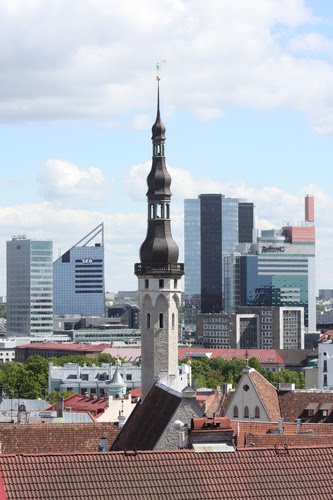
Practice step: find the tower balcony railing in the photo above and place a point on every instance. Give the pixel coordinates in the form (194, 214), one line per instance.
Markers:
(159, 268)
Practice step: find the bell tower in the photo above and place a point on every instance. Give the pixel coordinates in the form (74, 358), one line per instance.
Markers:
(159, 273)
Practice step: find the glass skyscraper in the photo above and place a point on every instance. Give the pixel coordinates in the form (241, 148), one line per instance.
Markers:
(29, 287)
(276, 272)
(78, 277)
(214, 225)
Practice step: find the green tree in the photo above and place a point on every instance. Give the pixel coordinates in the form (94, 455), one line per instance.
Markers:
(104, 357)
(3, 310)
(54, 395)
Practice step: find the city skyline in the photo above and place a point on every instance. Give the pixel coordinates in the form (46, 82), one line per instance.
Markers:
(246, 98)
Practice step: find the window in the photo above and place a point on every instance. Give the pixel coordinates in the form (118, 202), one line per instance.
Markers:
(161, 320)
(84, 376)
(325, 365)
(148, 320)
(161, 283)
(325, 380)
(146, 283)
(246, 387)
(257, 412)
(173, 321)
(246, 412)
(235, 412)
(175, 283)
(128, 376)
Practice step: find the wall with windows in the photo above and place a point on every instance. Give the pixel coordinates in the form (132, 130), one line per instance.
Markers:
(29, 287)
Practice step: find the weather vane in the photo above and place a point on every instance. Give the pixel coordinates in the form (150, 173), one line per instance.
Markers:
(158, 68)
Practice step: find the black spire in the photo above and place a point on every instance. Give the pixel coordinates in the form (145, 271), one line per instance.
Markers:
(159, 247)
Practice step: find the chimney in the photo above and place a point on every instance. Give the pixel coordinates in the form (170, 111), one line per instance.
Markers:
(298, 425)
(60, 407)
(280, 425)
(309, 208)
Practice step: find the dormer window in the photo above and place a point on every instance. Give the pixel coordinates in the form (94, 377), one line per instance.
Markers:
(311, 409)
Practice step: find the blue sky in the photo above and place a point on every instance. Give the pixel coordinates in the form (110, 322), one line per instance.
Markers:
(246, 96)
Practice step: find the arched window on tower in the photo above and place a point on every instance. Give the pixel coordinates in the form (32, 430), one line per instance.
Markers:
(173, 321)
(235, 412)
(246, 412)
(257, 412)
(161, 320)
(148, 320)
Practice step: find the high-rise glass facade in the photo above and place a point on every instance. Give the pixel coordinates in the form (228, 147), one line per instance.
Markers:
(29, 287)
(213, 226)
(278, 273)
(78, 277)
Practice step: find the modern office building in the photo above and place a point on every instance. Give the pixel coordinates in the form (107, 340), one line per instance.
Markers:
(214, 225)
(253, 327)
(277, 271)
(29, 287)
(78, 277)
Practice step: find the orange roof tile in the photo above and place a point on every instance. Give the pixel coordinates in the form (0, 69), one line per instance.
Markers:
(248, 473)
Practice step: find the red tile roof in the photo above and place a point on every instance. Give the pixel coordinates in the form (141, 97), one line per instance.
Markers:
(243, 429)
(267, 394)
(59, 438)
(293, 405)
(265, 356)
(58, 346)
(77, 402)
(249, 473)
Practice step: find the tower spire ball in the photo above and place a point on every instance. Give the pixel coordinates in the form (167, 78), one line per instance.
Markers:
(158, 68)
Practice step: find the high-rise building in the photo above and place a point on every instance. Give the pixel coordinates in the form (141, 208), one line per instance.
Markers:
(277, 271)
(253, 327)
(214, 225)
(78, 277)
(29, 287)
(159, 275)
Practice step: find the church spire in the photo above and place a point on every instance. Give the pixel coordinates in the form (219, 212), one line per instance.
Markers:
(159, 274)
(159, 246)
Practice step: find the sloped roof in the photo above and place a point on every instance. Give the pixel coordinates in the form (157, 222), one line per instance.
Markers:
(63, 346)
(30, 404)
(117, 379)
(267, 394)
(294, 403)
(247, 473)
(51, 438)
(243, 429)
(148, 420)
(265, 356)
(79, 403)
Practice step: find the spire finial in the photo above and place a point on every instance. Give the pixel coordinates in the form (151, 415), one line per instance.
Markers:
(158, 68)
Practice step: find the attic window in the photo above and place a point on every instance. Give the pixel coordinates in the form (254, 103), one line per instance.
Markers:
(311, 409)
(246, 387)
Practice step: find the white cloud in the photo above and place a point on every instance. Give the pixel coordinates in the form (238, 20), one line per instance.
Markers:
(96, 59)
(141, 121)
(124, 233)
(59, 179)
(311, 43)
